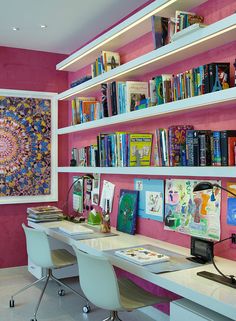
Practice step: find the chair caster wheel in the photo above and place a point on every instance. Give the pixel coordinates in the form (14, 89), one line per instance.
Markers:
(11, 303)
(33, 319)
(61, 292)
(86, 308)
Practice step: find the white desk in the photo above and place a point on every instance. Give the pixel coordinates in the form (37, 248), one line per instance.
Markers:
(186, 283)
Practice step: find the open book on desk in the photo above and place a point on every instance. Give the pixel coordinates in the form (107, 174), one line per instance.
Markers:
(142, 256)
(75, 229)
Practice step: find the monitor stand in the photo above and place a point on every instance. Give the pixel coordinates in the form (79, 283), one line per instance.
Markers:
(196, 259)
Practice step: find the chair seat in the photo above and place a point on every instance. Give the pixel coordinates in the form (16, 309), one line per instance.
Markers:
(133, 297)
(62, 258)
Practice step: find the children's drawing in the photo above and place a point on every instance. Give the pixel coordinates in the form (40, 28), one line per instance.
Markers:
(154, 203)
(231, 204)
(193, 213)
(151, 198)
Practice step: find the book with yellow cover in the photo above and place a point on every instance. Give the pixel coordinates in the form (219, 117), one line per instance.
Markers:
(140, 148)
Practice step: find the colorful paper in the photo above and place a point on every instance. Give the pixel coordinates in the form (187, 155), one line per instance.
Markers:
(193, 213)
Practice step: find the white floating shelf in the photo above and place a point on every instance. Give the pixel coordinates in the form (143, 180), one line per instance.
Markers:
(125, 32)
(212, 36)
(206, 101)
(208, 171)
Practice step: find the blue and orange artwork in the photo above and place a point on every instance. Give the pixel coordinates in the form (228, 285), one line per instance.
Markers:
(231, 204)
(25, 146)
(193, 213)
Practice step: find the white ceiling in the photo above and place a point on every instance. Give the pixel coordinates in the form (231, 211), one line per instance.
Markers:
(70, 23)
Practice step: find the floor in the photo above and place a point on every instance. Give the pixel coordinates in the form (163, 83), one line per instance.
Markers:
(53, 307)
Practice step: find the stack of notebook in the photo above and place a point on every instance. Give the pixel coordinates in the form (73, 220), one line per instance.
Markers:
(44, 214)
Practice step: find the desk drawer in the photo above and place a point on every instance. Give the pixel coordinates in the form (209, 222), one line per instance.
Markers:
(185, 310)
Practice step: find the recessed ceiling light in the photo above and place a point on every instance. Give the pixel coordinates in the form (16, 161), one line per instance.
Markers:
(15, 28)
(43, 26)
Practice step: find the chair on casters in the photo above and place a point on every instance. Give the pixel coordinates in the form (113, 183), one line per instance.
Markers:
(39, 252)
(102, 287)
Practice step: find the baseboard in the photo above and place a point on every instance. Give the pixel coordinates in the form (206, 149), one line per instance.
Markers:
(155, 314)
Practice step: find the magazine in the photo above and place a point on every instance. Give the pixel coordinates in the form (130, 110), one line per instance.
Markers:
(142, 256)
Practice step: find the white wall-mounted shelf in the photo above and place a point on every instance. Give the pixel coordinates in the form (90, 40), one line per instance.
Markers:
(206, 101)
(125, 32)
(214, 35)
(207, 171)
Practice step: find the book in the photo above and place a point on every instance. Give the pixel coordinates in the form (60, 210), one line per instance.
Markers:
(177, 144)
(75, 229)
(224, 146)
(43, 210)
(159, 31)
(135, 92)
(219, 76)
(204, 147)
(139, 148)
(110, 59)
(127, 212)
(142, 256)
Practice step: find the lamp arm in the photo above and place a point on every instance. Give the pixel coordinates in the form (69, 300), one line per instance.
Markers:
(224, 189)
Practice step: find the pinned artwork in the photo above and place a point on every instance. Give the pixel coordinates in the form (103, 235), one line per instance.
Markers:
(193, 213)
(151, 198)
(25, 148)
(231, 204)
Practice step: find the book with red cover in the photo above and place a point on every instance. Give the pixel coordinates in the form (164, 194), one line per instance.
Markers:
(231, 150)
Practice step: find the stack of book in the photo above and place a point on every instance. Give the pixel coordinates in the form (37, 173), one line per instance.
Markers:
(44, 214)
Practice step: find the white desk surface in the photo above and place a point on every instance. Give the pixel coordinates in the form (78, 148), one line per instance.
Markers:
(186, 283)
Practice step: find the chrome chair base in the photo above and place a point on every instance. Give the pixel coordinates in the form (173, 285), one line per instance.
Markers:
(60, 292)
(113, 317)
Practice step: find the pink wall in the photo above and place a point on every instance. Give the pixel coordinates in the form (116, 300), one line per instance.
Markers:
(25, 70)
(219, 119)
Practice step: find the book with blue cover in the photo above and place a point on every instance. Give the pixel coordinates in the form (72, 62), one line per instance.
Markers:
(127, 213)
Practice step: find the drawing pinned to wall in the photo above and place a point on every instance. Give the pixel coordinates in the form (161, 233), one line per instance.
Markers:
(95, 189)
(193, 213)
(231, 204)
(151, 198)
(25, 146)
(108, 190)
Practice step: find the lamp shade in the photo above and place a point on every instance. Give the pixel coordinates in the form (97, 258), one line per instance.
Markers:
(203, 186)
(208, 185)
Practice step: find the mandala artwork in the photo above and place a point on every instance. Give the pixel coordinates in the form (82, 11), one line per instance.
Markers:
(25, 146)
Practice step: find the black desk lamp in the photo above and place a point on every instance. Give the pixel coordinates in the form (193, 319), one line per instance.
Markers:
(228, 280)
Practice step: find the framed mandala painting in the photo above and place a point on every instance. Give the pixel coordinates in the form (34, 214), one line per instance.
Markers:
(28, 147)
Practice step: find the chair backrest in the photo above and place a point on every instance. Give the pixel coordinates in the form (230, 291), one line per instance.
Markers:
(38, 247)
(97, 278)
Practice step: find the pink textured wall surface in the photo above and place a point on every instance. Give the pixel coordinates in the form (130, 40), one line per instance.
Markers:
(25, 70)
(216, 119)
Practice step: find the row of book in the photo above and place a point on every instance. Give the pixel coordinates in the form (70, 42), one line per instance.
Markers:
(44, 214)
(117, 97)
(184, 146)
(180, 145)
(106, 61)
(86, 109)
(124, 96)
(164, 29)
(119, 149)
(197, 81)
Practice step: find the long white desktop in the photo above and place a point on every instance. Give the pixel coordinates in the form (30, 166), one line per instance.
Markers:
(186, 283)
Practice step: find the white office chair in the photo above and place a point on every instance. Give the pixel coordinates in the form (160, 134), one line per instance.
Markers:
(39, 252)
(101, 286)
